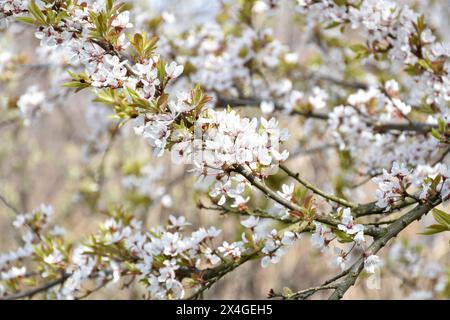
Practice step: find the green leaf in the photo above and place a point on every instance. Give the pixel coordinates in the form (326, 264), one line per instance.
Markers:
(343, 237)
(76, 84)
(442, 218)
(109, 5)
(421, 23)
(433, 229)
(161, 67)
(340, 2)
(332, 25)
(425, 64)
(442, 125)
(28, 20)
(287, 292)
(436, 134)
(133, 94)
(37, 13)
(360, 50)
(435, 182)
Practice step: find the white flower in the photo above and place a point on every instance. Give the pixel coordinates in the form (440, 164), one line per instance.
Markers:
(401, 106)
(173, 70)
(31, 104)
(390, 185)
(425, 189)
(318, 98)
(232, 250)
(371, 263)
(287, 191)
(392, 87)
(213, 259)
(318, 237)
(289, 238)
(13, 273)
(339, 261)
(291, 57)
(251, 222)
(166, 201)
(179, 222)
(427, 36)
(122, 20)
(267, 107)
(260, 6)
(349, 227)
(274, 256)
(265, 261)
(359, 238)
(400, 170)
(54, 258)
(213, 232)
(20, 221)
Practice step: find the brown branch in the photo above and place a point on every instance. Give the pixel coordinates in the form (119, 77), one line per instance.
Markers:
(316, 190)
(412, 126)
(42, 288)
(392, 231)
(369, 230)
(223, 102)
(9, 205)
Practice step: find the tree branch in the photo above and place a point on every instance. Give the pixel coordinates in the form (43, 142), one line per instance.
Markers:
(9, 205)
(412, 126)
(316, 190)
(392, 231)
(369, 230)
(42, 288)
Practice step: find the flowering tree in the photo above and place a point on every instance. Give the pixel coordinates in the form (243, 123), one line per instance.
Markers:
(369, 86)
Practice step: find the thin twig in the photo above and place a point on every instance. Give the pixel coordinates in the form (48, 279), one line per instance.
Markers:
(42, 288)
(9, 205)
(316, 190)
(369, 230)
(412, 126)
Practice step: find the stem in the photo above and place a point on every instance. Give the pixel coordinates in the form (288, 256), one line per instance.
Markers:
(303, 294)
(392, 231)
(42, 288)
(316, 190)
(369, 230)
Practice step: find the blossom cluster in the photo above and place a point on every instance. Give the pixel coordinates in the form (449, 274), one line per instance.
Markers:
(157, 256)
(392, 128)
(323, 237)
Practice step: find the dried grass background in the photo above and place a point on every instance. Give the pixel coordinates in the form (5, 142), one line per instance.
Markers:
(43, 164)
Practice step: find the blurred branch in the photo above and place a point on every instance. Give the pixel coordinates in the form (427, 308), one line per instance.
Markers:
(8, 122)
(9, 205)
(223, 102)
(312, 150)
(442, 157)
(413, 126)
(339, 82)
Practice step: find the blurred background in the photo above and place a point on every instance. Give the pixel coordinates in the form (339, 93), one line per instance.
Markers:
(74, 158)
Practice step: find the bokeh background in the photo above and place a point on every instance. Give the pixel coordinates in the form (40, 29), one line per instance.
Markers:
(63, 159)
